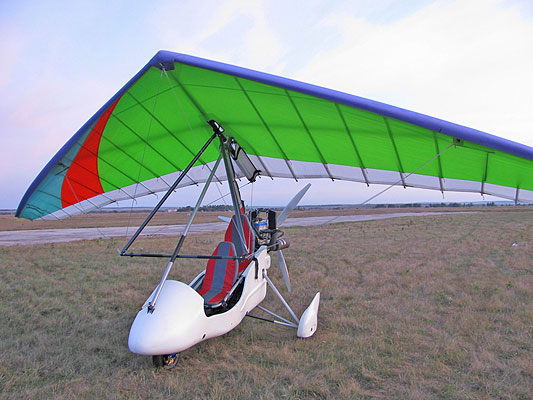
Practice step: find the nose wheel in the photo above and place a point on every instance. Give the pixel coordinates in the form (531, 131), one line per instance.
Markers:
(166, 361)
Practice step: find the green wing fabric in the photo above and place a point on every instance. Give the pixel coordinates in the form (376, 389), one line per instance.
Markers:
(138, 143)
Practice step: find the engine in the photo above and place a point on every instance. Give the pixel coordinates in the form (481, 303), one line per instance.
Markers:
(266, 231)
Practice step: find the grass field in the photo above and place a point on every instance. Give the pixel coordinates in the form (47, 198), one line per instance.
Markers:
(93, 220)
(411, 308)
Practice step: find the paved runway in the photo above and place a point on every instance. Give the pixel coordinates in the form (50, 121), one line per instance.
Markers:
(40, 236)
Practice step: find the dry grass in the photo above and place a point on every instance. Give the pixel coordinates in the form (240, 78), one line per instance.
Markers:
(414, 308)
(92, 220)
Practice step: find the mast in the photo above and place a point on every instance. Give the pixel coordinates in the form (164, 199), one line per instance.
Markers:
(225, 144)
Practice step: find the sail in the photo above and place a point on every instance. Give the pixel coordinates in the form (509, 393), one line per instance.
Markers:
(141, 139)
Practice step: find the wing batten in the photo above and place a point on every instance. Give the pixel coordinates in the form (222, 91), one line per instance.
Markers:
(354, 146)
(284, 156)
(401, 170)
(306, 129)
(439, 163)
(154, 118)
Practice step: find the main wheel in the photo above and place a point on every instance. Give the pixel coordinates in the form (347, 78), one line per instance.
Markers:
(167, 361)
(157, 361)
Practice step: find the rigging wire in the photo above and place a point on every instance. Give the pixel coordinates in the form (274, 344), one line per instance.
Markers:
(181, 107)
(397, 182)
(166, 227)
(189, 124)
(80, 207)
(407, 176)
(222, 197)
(227, 194)
(144, 151)
(164, 72)
(252, 197)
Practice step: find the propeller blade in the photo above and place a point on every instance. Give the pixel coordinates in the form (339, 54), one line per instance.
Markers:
(225, 219)
(292, 205)
(284, 269)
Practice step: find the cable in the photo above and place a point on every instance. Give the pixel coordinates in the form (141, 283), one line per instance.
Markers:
(403, 179)
(144, 152)
(240, 187)
(80, 207)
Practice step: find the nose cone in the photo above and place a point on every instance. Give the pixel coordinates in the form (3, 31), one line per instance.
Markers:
(176, 324)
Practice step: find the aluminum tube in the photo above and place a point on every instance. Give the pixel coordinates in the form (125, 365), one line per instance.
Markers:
(276, 291)
(202, 195)
(274, 314)
(167, 194)
(151, 306)
(235, 196)
(182, 238)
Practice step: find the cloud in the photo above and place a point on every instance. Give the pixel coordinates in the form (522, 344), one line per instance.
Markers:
(236, 32)
(37, 119)
(37, 126)
(464, 61)
(468, 62)
(11, 47)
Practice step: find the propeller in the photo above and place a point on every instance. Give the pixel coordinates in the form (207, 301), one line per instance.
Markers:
(281, 219)
(225, 219)
(292, 205)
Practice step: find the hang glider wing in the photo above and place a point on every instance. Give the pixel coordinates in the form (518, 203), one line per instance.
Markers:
(137, 143)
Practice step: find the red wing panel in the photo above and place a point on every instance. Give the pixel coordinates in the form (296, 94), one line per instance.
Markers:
(82, 180)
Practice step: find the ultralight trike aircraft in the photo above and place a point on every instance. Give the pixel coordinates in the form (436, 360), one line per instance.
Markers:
(183, 120)
(176, 316)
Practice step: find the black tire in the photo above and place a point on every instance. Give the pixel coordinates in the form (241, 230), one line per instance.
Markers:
(157, 361)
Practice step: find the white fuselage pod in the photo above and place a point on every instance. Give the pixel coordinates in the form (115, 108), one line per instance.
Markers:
(179, 321)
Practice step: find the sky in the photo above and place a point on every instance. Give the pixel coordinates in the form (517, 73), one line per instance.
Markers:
(466, 61)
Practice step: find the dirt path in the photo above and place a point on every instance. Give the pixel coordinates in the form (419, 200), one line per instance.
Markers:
(40, 236)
